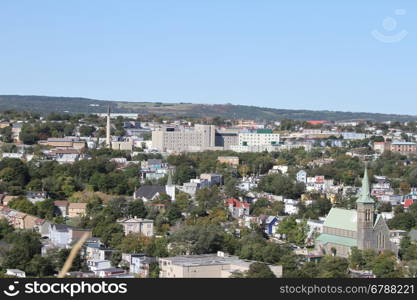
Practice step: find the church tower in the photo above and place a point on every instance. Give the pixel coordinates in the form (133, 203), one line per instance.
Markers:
(170, 187)
(365, 215)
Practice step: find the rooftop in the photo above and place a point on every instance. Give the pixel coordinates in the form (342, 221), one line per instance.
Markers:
(335, 239)
(206, 260)
(341, 219)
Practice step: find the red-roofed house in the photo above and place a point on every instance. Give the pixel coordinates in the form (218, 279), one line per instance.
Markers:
(314, 122)
(409, 202)
(237, 208)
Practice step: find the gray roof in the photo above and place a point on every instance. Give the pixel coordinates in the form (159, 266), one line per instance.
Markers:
(206, 260)
(149, 191)
(154, 161)
(61, 227)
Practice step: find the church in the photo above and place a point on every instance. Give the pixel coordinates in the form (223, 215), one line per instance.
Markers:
(363, 228)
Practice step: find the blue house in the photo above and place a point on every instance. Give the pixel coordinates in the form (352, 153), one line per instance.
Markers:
(271, 225)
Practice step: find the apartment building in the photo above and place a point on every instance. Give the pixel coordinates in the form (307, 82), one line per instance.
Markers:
(64, 143)
(174, 139)
(404, 147)
(137, 225)
(258, 138)
(257, 141)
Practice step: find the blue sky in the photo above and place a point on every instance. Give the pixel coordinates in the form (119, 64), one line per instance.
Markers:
(298, 54)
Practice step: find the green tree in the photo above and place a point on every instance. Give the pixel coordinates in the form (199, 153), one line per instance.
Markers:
(259, 270)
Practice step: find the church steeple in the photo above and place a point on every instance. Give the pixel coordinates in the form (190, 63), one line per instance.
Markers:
(169, 181)
(365, 196)
(365, 215)
(169, 187)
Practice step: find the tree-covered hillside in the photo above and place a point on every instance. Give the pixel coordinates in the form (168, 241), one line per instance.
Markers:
(45, 105)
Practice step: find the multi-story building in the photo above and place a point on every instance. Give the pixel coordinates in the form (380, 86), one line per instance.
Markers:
(257, 141)
(226, 138)
(137, 225)
(173, 139)
(381, 147)
(237, 208)
(206, 266)
(261, 137)
(64, 143)
(302, 176)
(404, 147)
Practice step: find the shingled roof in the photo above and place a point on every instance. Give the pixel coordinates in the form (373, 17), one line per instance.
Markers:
(149, 191)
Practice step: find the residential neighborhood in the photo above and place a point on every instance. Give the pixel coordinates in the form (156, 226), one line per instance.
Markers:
(155, 198)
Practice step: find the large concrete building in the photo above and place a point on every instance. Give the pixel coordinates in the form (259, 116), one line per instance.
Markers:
(207, 137)
(257, 141)
(206, 266)
(362, 228)
(172, 139)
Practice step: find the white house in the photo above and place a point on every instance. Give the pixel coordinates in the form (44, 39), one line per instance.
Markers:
(16, 272)
(291, 207)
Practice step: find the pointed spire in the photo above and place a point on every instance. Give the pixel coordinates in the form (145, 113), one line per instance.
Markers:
(169, 181)
(365, 195)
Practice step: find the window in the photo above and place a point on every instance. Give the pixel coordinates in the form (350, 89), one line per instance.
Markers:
(367, 215)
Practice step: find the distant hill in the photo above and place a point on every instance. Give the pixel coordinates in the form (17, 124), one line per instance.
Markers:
(45, 105)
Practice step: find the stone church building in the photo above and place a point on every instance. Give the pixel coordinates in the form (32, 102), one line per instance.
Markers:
(363, 228)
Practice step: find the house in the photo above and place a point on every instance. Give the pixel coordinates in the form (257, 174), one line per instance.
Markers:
(63, 236)
(212, 178)
(77, 210)
(363, 228)
(302, 176)
(96, 251)
(36, 196)
(4, 124)
(410, 199)
(98, 264)
(16, 130)
(194, 185)
(291, 206)
(140, 265)
(152, 164)
(12, 155)
(237, 208)
(206, 266)
(6, 199)
(61, 208)
(78, 274)
(271, 225)
(42, 226)
(279, 169)
(16, 273)
(109, 272)
(21, 220)
(397, 235)
(137, 225)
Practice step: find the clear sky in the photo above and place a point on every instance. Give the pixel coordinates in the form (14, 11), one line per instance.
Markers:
(300, 54)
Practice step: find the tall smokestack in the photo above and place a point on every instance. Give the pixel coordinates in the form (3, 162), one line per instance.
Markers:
(108, 138)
